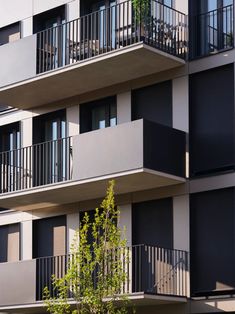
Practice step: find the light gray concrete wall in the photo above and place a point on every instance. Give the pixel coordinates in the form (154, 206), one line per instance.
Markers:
(180, 100)
(26, 232)
(181, 5)
(26, 128)
(17, 283)
(125, 222)
(14, 10)
(18, 61)
(73, 10)
(94, 152)
(26, 26)
(181, 222)
(124, 107)
(72, 116)
(73, 222)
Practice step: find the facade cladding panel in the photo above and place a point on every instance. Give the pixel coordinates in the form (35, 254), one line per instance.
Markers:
(46, 234)
(212, 121)
(152, 223)
(153, 103)
(212, 230)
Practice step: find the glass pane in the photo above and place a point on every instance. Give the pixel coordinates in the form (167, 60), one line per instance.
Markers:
(212, 5)
(168, 3)
(113, 115)
(98, 118)
(227, 2)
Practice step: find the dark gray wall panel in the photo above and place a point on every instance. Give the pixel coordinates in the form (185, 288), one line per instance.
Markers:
(3, 243)
(153, 103)
(164, 149)
(212, 120)
(152, 223)
(43, 235)
(212, 232)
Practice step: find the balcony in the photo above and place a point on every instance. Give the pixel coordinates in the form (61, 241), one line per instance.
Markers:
(214, 32)
(155, 276)
(91, 53)
(139, 155)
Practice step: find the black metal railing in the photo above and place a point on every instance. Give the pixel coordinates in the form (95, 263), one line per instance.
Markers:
(148, 269)
(214, 31)
(36, 165)
(110, 29)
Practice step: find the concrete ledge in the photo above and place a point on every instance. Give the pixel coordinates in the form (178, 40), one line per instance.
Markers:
(127, 63)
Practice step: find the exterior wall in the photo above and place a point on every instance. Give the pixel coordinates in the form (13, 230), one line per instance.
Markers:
(181, 222)
(124, 107)
(180, 110)
(26, 232)
(22, 10)
(125, 222)
(129, 153)
(73, 223)
(72, 116)
(16, 286)
(18, 61)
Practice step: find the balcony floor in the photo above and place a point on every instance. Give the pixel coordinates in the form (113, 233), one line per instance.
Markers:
(75, 191)
(139, 299)
(101, 71)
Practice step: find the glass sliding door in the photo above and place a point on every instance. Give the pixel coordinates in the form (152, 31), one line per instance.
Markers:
(215, 25)
(104, 19)
(11, 159)
(51, 149)
(55, 132)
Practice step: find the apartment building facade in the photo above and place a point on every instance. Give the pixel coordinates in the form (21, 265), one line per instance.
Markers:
(91, 92)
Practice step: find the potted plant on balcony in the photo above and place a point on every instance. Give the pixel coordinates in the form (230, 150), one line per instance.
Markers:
(141, 16)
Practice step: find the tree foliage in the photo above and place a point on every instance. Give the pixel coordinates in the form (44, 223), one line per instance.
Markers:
(96, 273)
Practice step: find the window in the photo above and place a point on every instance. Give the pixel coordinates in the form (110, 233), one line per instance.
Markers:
(209, 5)
(168, 3)
(212, 27)
(49, 19)
(98, 114)
(9, 33)
(51, 52)
(10, 137)
(51, 155)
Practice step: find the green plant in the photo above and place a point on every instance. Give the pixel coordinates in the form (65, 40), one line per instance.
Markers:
(141, 9)
(96, 272)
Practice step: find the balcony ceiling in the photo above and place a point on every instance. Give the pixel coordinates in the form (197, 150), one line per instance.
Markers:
(98, 72)
(76, 191)
(139, 299)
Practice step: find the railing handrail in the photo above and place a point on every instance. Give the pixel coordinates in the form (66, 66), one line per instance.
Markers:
(124, 247)
(212, 11)
(106, 9)
(34, 145)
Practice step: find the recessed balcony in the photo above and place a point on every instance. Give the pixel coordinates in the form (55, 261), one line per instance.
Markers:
(154, 276)
(213, 31)
(98, 50)
(139, 155)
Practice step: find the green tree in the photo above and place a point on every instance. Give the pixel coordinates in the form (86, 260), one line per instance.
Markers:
(96, 272)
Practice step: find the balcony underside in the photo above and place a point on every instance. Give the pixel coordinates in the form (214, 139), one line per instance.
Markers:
(105, 70)
(81, 190)
(139, 299)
